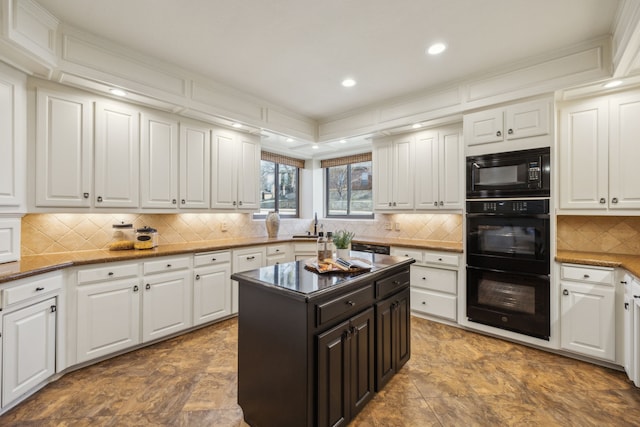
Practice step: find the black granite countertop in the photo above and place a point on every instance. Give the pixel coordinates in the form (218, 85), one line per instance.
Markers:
(295, 279)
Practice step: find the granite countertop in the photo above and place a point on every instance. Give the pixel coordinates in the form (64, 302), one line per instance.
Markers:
(37, 264)
(295, 280)
(630, 263)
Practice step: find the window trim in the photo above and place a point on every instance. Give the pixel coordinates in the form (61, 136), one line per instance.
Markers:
(326, 194)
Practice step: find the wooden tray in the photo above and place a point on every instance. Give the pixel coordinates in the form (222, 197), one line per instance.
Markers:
(332, 267)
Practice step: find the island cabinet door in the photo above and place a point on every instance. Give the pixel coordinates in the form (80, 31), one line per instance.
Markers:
(345, 369)
(393, 336)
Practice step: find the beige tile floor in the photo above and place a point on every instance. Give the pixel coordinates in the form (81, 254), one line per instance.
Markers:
(454, 378)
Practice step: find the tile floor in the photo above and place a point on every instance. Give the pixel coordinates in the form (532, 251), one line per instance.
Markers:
(454, 378)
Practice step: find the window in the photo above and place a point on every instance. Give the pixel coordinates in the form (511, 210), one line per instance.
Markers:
(279, 178)
(348, 186)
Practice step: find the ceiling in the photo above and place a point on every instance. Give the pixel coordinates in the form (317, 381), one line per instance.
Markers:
(295, 53)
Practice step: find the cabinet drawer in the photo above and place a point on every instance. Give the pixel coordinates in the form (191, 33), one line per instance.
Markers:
(110, 272)
(249, 261)
(441, 259)
(168, 264)
(277, 249)
(587, 274)
(30, 289)
(435, 279)
(211, 258)
(344, 305)
(411, 253)
(307, 247)
(391, 284)
(434, 303)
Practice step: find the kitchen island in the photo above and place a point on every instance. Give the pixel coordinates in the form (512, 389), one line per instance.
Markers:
(314, 348)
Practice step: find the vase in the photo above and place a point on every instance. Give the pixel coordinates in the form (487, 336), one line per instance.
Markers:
(273, 223)
(343, 253)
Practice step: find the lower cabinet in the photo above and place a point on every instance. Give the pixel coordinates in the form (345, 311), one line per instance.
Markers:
(29, 339)
(166, 304)
(393, 336)
(587, 305)
(211, 287)
(345, 369)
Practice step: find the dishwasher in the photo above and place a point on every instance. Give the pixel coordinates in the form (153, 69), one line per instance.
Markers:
(373, 249)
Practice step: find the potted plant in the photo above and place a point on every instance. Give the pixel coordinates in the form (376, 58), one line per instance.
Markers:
(342, 241)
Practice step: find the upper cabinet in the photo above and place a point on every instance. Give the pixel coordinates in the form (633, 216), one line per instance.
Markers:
(195, 165)
(235, 178)
(421, 171)
(440, 176)
(159, 161)
(13, 109)
(505, 128)
(599, 153)
(393, 175)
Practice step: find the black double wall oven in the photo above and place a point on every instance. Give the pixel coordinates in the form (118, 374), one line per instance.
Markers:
(508, 241)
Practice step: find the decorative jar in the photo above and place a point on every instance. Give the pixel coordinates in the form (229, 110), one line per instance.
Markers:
(273, 223)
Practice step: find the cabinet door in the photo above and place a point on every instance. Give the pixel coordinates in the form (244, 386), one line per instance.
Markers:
(403, 173)
(166, 304)
(584, 156)
(393, 336)
(382, 156)
(624, 152)
(13, 143)
(483, 127)
(244, 260)
(29, 337)
(195, 166)
(159, 162)
(108, 318)
(588, 319)
(117, 145)
(451, 172)
(527, 119)
(428, 171)
(248, 179)
(211, 293)
(333, 375)
(224, 192)
(361, 365)
(64, 149)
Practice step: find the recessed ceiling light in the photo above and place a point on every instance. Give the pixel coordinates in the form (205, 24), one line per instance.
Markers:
(416, 125)
(613, 83)
(289, 139)
(348, 83)
(237, 125)
(315, 146)
(117, 92)
(436, 48)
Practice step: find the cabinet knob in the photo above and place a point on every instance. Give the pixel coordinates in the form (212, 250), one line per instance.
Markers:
(183, 201)
(99, 199)
(441, 203)
(213, 259)
(240, 203)
(54, 308)
(135, 288)
(234, 203)
(424, 303)
(110, 273)
(168, 265)
(565, 292)
(510, 131)
(603, 200)
(197, 277)
(85, 195)
(435, 203)
(614, 200)
(586, 276)
(38, 289)
(626, 306)
(147, 286)
(390, 204)
(499, 133)
(351, 303)
(394, 204)
(439, 259)
(424, 278)
(174, 201)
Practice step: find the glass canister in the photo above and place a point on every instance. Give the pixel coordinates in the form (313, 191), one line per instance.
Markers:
(146, 238)
(122, 238)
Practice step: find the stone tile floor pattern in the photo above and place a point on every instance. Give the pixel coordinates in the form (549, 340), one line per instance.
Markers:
(454, 378)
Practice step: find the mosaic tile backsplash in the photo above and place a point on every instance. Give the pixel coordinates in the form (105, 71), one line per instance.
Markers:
(52, 233)
(606, 234)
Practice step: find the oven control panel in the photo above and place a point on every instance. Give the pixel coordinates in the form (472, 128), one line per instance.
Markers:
(518, 207)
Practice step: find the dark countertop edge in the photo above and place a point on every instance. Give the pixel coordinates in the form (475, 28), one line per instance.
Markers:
(368, 276)
(45, 263)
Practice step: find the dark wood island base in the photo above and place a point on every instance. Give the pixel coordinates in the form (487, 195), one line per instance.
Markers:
(314, 348)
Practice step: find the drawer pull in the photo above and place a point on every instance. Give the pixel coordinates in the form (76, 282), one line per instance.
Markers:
(249, 258)
(168, 265)
(351, 303)
(396, 282)
(586, 276)
(424, 278)
(439, 259)
(110, 273)
(636, 296)
(424, 303)
(38, 289)
(213, 259)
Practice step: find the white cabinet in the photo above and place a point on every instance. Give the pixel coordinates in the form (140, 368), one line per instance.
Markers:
(108, 310)
(29, 346)
(117, 145)
(159, 161)
(195, 166)
(211, 286)
(278, 254)
(63, 149)
(628, 359)
(599, 153)
(167, 296)
(235, 165)
(244, 260)
(13, 130)
(439, 169)
(304, 250)
(587, 306)
(434, 282)
(393, 173)
(9, 239)
(513, 122)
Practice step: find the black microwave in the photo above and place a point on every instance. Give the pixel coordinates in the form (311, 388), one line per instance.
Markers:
(524, 173)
